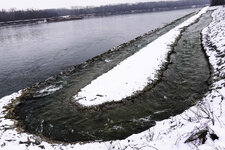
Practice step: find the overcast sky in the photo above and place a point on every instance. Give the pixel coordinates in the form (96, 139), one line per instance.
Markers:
(43, 4)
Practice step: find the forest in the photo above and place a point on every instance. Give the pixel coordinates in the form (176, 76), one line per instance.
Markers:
(14, 15)
(217, 2)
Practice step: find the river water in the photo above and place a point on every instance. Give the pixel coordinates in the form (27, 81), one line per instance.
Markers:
(32, 53)
(56, 116)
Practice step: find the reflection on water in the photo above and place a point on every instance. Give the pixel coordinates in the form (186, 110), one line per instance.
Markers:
(32, 53)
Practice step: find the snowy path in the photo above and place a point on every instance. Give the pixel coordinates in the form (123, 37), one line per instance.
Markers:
(134, 73)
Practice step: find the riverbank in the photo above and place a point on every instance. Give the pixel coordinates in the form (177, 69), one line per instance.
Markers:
(42, 20)
(79, 17)
(176, 132)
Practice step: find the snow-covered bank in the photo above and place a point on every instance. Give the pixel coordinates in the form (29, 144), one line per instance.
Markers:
(134, 73)
(206, 118)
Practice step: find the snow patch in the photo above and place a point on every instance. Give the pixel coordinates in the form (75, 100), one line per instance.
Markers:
(134, 73)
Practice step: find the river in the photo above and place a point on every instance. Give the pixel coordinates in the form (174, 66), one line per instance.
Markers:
(55, 115)
(32, 53)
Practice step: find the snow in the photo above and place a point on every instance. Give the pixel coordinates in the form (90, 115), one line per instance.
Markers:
(171, 134)
(50, 89)
(134, 73)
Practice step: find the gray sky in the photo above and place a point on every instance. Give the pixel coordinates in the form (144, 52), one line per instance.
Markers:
(43, 4)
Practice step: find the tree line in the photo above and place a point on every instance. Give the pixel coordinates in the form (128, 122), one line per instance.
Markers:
(217, 2)
(13, 14)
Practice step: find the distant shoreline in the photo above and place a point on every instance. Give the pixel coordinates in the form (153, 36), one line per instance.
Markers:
(80, 17)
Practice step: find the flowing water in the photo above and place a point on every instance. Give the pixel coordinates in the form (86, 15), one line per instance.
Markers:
(54, 114)
(32, 53)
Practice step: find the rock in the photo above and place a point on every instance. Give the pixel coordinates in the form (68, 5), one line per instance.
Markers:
(213, 136)
(42, 146)
(37, 140)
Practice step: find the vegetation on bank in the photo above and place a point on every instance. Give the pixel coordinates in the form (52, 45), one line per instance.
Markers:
(217, 2)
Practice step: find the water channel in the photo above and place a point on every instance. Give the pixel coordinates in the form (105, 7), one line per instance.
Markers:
(55, 116)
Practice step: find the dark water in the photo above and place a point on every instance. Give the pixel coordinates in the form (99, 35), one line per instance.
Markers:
(32, 53)
(182, 84)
